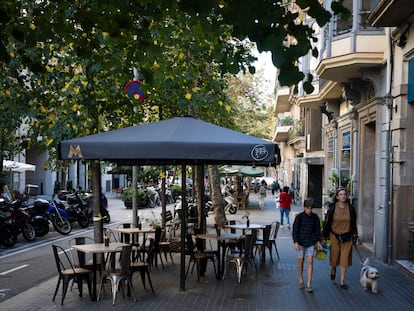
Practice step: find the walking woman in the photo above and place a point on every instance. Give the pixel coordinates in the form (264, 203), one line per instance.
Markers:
(340, 227)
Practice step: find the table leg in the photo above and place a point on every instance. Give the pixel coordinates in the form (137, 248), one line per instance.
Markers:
(94, 278)
(219, 261)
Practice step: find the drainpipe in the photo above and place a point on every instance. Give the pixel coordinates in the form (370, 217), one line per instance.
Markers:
(388, 196)
(355, 159)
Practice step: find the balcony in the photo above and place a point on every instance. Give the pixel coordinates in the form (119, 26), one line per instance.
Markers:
(348, 56)
(282, 100)
(283, 129)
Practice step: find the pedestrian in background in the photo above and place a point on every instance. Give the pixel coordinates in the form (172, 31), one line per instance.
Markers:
(340, 227)
(262, 194)
(275, 187)
(306, 233)
(285, 201)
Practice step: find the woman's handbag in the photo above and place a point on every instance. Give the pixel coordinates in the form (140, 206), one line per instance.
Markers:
(343, 237)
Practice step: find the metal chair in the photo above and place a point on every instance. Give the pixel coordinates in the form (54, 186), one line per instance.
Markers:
(272, 239)
(243, 259)
(67, 272)
(144, 267)
(80, 259)
(197, 257)
(120, 275)
(262, 244)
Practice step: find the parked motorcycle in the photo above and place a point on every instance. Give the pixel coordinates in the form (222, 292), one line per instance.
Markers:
(57, 216)
(39, 221)
(106, 217)
(20, 219)
(8, 237)
(76, 209)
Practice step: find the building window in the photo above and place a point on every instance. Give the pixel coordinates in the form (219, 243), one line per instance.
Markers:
(343, 26)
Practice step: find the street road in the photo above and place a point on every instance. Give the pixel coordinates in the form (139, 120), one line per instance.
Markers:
(30, 263)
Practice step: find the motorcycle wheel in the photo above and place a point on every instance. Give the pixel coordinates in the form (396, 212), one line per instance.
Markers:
(7, 236)
(61, 225)
(232, 209)
(29, 233)
(41, 228)
(83, 220)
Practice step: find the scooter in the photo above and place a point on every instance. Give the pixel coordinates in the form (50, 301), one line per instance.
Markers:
(230, 206)
(106, 217)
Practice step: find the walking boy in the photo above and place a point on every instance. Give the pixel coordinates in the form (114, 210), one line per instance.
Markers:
(306, 233)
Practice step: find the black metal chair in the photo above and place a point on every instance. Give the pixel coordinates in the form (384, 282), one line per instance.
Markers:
(68, 272)
(262, 244)
(198, 258)
(144, 267)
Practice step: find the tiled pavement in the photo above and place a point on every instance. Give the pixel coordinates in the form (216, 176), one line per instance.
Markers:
(275, 286)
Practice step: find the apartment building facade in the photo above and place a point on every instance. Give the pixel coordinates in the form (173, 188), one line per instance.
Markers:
(358, 122)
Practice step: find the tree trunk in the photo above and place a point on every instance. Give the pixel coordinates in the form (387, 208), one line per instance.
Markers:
(216, 196)
(96, 201)
(199, 187)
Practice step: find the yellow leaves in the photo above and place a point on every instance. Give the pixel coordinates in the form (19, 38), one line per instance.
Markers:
(75, 107)
(188, 96)
(221, 103)
(49, 141)
(228, 108)
(105, 34)
(181, 56)
(8, 93)
(156, 66)
(162, 174)
(195, 89)
(43, 109)
(152, 25)
(32, 26)
(48, 68)
(84, 83)
(11, 54)
(84, 35)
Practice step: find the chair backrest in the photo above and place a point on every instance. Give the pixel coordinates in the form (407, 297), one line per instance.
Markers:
(190, 245)
(124, 238)
(151, 253)
(80, 240)
(157, 237)
(250, 241)
(125, 260)
(275, 230)
(62, 259)
(168, 216)
(266, 233)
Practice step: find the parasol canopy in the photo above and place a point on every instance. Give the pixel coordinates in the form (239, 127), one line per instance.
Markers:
(18, 167)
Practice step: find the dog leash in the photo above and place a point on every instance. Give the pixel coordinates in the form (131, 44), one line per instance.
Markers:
(358, 252)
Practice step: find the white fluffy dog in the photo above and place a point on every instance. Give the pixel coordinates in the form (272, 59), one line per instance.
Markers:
(369, 277)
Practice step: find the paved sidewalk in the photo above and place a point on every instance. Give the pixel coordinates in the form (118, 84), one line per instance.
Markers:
(275, 286)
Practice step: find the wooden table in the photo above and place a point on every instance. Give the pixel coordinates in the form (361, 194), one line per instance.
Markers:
(94, 249)
(132, 231)
(244, 227)
(221, 244)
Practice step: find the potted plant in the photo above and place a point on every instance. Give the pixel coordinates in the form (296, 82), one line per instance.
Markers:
(126, 197)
